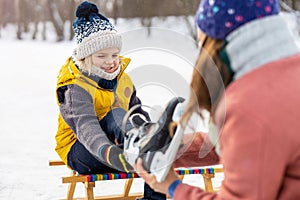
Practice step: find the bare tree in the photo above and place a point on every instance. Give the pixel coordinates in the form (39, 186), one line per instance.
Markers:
(288, 5)
(1, 15)
(294, 4)
(70, 16)
(21, 18)
(56, 20)
(44, 14)
(40, 15)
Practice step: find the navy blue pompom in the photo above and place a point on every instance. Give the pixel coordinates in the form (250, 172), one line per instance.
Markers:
(85, 9)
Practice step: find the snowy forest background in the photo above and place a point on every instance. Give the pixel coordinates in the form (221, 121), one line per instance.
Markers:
(36, 39)
(36, 16)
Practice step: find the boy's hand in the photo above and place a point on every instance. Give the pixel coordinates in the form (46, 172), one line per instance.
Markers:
(112, 155)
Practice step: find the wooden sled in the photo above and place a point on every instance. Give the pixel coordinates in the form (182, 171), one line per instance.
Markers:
(89, 181)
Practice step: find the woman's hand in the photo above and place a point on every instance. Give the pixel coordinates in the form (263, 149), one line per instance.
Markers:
(151, 180)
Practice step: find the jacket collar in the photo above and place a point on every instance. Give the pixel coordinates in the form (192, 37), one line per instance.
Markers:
(96, 81)
(259, 42)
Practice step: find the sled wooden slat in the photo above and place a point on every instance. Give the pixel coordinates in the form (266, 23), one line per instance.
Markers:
(89, 181)
(74, 179)
(56, 163)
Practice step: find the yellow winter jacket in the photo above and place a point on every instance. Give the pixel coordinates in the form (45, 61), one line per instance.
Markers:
(104, 100)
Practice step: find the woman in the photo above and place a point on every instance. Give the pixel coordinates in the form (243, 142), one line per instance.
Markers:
(257, 114)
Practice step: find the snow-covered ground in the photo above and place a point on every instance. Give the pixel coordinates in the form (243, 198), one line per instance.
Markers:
(161, 68)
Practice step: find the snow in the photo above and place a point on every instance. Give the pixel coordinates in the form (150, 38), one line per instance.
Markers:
(29, 111)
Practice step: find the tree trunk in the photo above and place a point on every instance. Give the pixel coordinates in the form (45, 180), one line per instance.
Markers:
(56, 20)
(18, 19)
(71, 17)
(35, 30)
(294, 4)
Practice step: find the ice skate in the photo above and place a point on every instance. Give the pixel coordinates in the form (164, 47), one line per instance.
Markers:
(153, 142)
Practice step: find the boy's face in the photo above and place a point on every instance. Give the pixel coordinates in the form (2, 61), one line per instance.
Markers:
(106, 59)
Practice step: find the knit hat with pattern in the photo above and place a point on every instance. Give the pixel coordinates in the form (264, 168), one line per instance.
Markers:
(93, 31)
(218, 18)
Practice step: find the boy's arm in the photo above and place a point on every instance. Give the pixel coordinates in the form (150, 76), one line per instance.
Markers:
(78, 112)
(77, 109)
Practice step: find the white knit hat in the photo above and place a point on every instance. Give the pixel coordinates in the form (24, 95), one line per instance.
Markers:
(93, 31)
